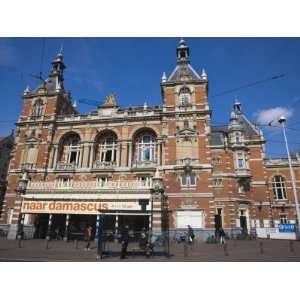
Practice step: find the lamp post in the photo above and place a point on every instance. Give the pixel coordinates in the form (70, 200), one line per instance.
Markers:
(21, 190)
(282, 121)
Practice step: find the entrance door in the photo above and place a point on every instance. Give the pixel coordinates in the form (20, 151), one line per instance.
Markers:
(41, 226)
(58, 225)
(243, 222)
(78, 224)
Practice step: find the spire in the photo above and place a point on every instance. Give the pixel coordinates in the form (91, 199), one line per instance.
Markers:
(183, 70)
(234, 118)
(183, 52)
(56, 76)
(75, 104)
(58, 65)
(164, 78)
(203, 74)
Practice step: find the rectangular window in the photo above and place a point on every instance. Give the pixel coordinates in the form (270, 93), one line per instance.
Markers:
(188, 180)
(101, 181)
(216, 161)
(283, 219)
(218, 182)
(144, 180)
(241, 163)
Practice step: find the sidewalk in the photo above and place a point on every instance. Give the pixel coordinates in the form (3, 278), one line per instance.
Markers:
(258, 250)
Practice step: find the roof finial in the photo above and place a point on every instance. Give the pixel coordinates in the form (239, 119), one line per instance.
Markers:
(27, 90)
(203, 74)
(182, 41)
(164, 77)
(74, 104)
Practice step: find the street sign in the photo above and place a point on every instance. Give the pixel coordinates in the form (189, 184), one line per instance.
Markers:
(287, 227)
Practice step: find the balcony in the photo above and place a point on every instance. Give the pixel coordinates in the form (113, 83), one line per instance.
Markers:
(97, 164)
(243, 172)
(144, 164)
(187, 161)
(28, 166)
(95, 185)
(66, 166)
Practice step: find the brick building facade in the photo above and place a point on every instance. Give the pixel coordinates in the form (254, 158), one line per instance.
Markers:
(158, 167)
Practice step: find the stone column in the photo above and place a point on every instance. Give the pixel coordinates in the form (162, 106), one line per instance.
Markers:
(119, 153)
(85, 156)
(158, 153)
(66, 228)
(130, 154)
(92, 150)
(54, 161)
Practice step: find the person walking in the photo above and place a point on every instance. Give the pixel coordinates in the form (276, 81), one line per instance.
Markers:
(88, 235)
(222, 236)
(191, 234)
(124, 241)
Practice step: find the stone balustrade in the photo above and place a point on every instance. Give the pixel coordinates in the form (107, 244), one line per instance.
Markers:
(89, 185)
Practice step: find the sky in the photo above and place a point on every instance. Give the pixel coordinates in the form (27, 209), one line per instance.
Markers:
(132, 68)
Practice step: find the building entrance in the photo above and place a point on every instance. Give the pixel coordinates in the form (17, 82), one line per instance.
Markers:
(78, 225)
(41, 226)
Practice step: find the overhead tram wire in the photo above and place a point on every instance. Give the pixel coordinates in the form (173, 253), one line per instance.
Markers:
(248, 85)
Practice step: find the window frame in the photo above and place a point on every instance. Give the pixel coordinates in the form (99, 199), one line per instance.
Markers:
(279, 186)
(188, 181)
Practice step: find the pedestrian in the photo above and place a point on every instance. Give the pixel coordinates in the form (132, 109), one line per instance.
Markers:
(143, 242)
(222, 236)
(191, 234)
(88, 235)
(124, 241)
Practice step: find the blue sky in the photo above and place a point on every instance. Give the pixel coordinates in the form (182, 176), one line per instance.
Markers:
(132, 67)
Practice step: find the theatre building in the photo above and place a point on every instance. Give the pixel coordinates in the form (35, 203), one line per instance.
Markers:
(159, 168)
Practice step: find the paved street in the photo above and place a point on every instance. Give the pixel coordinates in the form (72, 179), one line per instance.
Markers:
(259, 250)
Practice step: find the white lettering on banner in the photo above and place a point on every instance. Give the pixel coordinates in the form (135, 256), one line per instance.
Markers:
(71, 207)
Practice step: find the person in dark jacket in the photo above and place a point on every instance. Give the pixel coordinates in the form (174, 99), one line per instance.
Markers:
(124, 241)
(88, 236)
(191, 234)
(222, 235)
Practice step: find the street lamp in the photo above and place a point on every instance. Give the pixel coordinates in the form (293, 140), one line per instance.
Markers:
(282, 121)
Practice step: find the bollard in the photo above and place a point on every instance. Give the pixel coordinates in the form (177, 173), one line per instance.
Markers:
(261, 247)
(47, 242)
(234, 243)
(291, 246)
(19, 241)
(185, 249)
(225, 250)
(76, 244)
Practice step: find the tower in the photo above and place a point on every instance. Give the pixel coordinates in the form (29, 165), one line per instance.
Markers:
(186, 123)
(35, 129)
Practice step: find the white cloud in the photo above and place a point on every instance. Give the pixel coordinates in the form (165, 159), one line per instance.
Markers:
(272, 114)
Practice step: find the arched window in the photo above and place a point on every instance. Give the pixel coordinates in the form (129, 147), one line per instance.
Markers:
(37, 109)
(279, 188)
(185, 96)
(70, 151)
(106, 149)
(145, 147)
